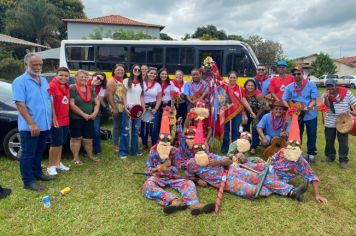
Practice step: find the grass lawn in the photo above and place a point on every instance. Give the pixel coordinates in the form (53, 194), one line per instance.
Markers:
(106, 200)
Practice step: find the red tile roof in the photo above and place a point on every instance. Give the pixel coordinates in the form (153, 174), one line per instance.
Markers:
(350, 61)
(113, 20)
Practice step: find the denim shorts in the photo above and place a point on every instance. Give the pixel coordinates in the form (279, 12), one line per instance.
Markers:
(59, 135)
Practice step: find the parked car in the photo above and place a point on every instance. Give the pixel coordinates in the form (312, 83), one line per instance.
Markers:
(9, 136)
(320, 82)
(349, 81)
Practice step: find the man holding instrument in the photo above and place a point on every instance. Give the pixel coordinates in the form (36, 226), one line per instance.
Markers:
(339, 100)
(303, 93)
(273, 124)
(163, 170)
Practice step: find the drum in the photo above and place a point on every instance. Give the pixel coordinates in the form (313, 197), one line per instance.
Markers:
(136, 111)
(346, 124)
(147, 116)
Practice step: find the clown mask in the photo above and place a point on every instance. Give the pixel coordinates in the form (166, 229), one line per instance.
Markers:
(243, 145)
(163, 149)
(292, 153)
(201, 112)
(201, 157)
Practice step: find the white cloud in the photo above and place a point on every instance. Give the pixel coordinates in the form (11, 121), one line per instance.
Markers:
(303, 27)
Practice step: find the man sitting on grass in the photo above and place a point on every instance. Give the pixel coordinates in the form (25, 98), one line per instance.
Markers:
(163, 170)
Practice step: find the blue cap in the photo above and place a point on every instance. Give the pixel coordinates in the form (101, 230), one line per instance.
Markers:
(330, 82)
(282, 63)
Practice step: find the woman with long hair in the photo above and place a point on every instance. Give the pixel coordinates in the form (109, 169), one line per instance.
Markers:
(98, 83)
(165, 82)
(84, 107)
(232, 128)
(132, 95)
(114, 93)
(152, 92)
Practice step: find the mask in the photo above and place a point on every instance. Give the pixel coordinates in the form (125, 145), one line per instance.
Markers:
(163, 149)
(201, 158)
(292, 153)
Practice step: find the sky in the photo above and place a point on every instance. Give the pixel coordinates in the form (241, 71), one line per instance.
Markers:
(302, 27)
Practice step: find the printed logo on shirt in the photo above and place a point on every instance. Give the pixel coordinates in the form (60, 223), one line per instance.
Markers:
(282, 87)
(65, 100)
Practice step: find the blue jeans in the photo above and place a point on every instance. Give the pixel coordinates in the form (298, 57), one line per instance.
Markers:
(151, 129)
(32, 149)
(235, 132)
(254, 133)
(97, 135)
(117, 128)
(134, 124)
(311, 126)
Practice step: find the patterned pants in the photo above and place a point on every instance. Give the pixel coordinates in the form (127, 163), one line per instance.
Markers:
(242, 182)
(153, 189)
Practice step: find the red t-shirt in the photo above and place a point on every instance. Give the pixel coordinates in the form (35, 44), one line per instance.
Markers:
(60, 96)
(278, 85)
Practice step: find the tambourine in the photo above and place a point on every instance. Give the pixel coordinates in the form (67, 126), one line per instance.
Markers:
(147, 116)
(136, 111)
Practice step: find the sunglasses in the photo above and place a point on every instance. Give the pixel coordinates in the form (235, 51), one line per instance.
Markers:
(137, 70)
(260, 69)
(295, 74)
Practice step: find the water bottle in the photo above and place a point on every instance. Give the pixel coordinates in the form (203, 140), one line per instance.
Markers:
(46, 201)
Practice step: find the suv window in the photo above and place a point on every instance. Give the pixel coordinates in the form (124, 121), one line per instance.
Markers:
(332, 77)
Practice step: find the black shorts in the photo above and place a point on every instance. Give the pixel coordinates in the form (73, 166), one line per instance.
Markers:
(80, 128)
(59, 135)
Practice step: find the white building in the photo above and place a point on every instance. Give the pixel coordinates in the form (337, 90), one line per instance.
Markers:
(346, 66)
(81, 28)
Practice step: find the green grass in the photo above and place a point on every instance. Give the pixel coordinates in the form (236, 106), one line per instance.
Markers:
(106, 199)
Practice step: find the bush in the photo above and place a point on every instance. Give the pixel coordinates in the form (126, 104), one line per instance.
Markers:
(10, 68)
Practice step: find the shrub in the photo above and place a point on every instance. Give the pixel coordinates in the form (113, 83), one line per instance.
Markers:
(10, 68)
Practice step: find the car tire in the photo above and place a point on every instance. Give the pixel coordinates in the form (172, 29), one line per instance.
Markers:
(12, 144)
(353, 86)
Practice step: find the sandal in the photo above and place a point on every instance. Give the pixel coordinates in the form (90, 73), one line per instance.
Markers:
(78, 162)
(96, 159)
(253, 151)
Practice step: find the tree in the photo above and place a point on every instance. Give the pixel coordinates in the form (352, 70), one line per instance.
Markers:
(209, 31)
(291, 65)
(4, 6)
(121, 34)
(236, 37)
(33, 20)
(67, 9)
(164, 36)
(267, 51)
(186, 37)
(322, 65)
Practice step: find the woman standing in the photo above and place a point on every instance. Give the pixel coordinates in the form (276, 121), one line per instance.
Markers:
(232, 127)
(255, 98)
(114, 93)
(59, 90)
(152, 92)
(165, 82)
(84, 108)
(132, 95)
(98, 83)
(144, 69)
(180, 101)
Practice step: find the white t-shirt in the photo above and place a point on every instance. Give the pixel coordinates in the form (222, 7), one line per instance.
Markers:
(150, 95)
(101, 92)
(133, 94)
(167, 93)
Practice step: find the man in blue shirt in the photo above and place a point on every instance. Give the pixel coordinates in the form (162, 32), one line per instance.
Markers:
(30, 93)
(262, 79)
(273, 124)
(196, 89)
(305, 92)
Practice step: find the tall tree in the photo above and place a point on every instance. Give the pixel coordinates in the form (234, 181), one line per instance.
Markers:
(322, 65)
(4, 6)
(68, 9)
(267, 51)
(34, 20)
(209, 31)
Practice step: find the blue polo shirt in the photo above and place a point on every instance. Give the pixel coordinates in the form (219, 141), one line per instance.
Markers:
(187, 89)
(266, 124)
(265, 85)
(37, 100)
(309, 92)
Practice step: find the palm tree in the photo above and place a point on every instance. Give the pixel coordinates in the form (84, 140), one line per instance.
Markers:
(33, 20)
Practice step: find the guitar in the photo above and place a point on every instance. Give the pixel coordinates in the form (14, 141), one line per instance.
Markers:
(277, 143)
(172, 114)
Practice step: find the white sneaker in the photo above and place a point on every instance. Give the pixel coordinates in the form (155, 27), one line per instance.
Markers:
(62, 167)
(123, 157)
(52, 170)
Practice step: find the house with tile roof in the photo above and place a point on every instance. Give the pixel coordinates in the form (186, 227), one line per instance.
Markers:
(81, 28)
(346, 66)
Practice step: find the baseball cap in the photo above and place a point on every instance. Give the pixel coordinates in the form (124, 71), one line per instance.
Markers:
(298, 68)
(282, 63)
(330, 82)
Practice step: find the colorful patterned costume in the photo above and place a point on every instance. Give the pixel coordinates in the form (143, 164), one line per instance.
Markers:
(240, 182)
(153, 187)
(185, 153)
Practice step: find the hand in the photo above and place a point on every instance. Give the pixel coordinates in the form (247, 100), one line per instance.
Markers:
(86, 116)
(202, 183)
(265, 142)
(35, 131)
(55, 123)
(240, 157)
(115, 113)
(284, 134)
(154, 111)
(253, 115)
(214, 163)
(320, 199)
(93, 116)
(353, 112)
(143, 112)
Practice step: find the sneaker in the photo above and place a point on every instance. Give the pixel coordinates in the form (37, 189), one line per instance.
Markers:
(311, 158)
(343, 165)
(328, 159)
(139, 154)
(62, 167)
(123, 157)
(52, 170)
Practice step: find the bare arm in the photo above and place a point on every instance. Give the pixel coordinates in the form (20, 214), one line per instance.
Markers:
(110, 93)
(96, 108)
(317, 196)
(21, 107)
(54, 117)
(248, 107)
(158, 102)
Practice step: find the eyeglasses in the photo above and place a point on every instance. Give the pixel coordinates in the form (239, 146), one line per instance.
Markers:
(137, 70)
(295, 74)
(260, 69)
